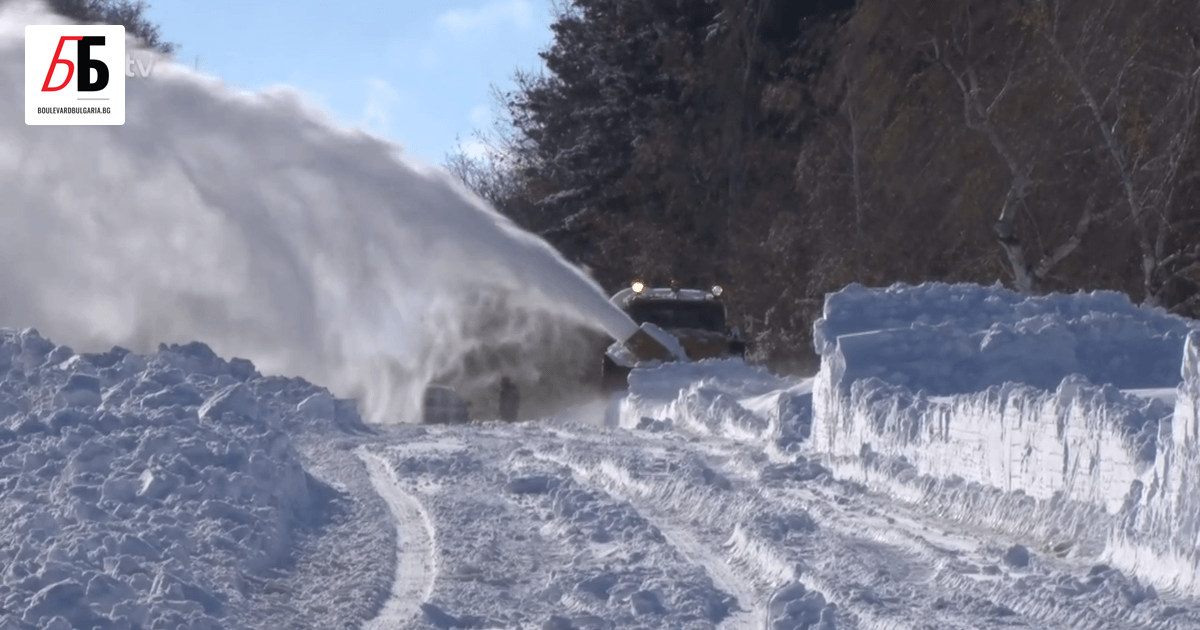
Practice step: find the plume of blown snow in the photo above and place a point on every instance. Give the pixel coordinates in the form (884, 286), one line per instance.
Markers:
(256, 224)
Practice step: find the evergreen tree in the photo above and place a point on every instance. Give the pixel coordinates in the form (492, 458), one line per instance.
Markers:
(127, 13)
(785, 149)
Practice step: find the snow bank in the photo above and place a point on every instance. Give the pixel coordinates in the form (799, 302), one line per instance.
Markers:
(148, 491)
(950, 339)
(1091, 443)
(996, 405)
(720, 397)
(1160, 527)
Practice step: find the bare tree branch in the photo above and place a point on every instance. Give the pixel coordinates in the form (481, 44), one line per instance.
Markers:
(1141, 197)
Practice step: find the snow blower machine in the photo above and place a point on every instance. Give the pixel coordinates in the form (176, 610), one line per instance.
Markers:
(674, 325)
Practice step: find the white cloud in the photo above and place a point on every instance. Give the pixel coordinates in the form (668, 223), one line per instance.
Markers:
(517, 12)
(381, 98)
(480, 116)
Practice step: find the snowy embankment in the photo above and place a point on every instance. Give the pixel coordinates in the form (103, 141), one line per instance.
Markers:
(740, 475)
(168, 490)
(721, 397)
(1048, 417)
(1161, 524)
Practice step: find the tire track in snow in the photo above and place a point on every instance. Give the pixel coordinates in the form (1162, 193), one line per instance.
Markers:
(926, 552)
(771, 569)
(416, 562)
(847, 566)
(751, 613)
(1030, 593)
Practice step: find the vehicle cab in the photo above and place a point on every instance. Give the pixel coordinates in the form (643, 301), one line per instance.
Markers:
(695, 317)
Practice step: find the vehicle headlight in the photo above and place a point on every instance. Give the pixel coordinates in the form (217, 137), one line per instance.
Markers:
(638, 286)
(717, 290)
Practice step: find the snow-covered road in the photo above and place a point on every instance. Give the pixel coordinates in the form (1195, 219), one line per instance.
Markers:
(715, 495)
(966, 457)
(561, 526)
(180, 489)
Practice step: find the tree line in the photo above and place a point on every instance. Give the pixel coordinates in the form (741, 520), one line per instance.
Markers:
(128, 13)
(786, 149)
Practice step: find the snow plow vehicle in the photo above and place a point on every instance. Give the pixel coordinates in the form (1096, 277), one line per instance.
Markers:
(664, 325)
(692, 325)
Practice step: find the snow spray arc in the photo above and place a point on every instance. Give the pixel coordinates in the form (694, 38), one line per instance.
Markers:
(256, 225)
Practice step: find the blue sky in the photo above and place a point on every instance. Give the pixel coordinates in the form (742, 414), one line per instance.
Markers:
(417, 73)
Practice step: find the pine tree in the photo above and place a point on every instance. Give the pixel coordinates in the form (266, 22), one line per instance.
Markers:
(127, 13)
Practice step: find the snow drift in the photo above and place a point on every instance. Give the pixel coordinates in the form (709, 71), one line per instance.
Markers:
(254, 224)
(141, 490)
(1038, 415)
(724, 397)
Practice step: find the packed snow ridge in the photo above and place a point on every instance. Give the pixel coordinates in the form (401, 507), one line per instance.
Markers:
(1067, 417)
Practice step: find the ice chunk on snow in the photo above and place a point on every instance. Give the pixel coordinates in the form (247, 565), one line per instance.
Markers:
(34, 347)
(317, 406)
(81, 390)
(234, 399)
(61, 599)
(795, 608)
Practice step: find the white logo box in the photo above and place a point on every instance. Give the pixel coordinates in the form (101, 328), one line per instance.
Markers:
(58, 91)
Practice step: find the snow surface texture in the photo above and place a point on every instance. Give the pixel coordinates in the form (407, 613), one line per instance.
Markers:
(704, 518)
(1010, 411)
(951, 339)
(722, 396)
(253, 223)
(178, 489)
(1161, 524)
(161, 490)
